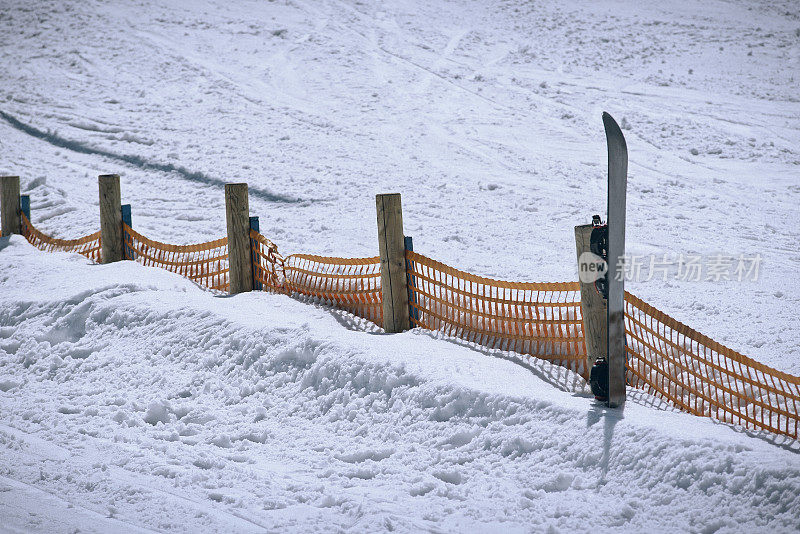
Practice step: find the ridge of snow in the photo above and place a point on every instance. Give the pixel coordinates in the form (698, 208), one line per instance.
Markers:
(160, 405)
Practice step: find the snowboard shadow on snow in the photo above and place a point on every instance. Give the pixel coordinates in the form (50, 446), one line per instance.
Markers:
(610, 417)
(642, 398)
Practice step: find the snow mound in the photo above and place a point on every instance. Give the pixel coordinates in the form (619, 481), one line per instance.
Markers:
(162, 406)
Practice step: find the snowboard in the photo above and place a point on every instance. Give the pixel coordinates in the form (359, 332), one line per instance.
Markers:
(617, 187)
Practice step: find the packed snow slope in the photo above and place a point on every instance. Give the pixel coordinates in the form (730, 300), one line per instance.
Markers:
(131, 400)
(485, 115)
(134, 401)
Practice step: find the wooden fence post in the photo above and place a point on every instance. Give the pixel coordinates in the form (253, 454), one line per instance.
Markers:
(394, 287)
(593, 305)
(110, 217)
(237, 215)
(9, 205)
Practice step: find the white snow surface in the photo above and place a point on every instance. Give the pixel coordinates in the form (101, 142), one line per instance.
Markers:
(132, 400)
(484, 114)
(153, 405)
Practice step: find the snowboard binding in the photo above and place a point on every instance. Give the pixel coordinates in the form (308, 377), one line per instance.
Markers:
(598, 245)
(598, 379)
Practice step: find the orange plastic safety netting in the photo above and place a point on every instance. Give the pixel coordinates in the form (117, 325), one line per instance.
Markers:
(268, 270)
(540, 319)
(204, 263)
(88, 246)
(703, 377)
(351, 284)
(665, 357)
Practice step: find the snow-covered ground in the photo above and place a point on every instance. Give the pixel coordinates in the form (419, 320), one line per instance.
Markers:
(132, 399)
(486, 116)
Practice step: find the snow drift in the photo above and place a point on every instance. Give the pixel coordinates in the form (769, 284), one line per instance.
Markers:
(151, 405)
(155, 404)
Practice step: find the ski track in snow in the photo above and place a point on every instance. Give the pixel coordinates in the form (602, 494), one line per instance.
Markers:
(136, 161)
(486, 116)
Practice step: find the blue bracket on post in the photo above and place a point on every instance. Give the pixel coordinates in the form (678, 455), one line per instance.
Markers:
(127, 252)
(255, 260)
(413, 312)
(25, 205)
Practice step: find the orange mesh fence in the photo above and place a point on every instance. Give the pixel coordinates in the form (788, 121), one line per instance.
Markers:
(665, 357)
(88, 246)
(268, 271)
(540, 319)
(351, 284)
(204, 263)
(700, 376)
